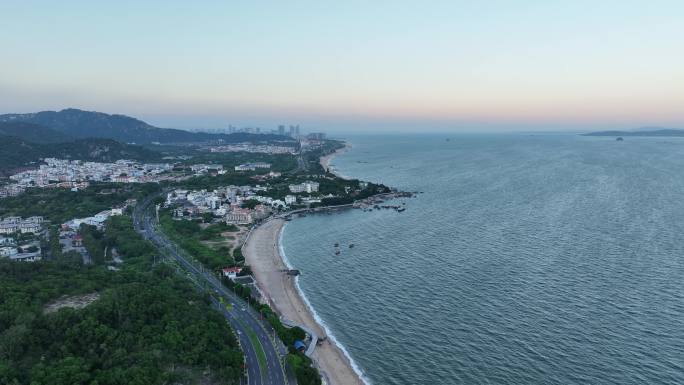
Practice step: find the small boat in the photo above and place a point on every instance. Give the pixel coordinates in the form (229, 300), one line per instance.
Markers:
(401, 210)
(337, 252)
(337, 245)
(351, 245)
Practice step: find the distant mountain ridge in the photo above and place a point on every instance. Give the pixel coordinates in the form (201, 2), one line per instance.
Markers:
(77, 123)
(642, 131)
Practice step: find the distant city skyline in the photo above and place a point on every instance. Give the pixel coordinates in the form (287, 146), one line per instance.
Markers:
(351, 66)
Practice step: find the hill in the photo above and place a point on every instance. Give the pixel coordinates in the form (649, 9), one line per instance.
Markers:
(84, 124)
(16, 152)
(32, 132)
(644, 131)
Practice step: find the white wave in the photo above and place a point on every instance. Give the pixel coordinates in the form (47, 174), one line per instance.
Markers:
(332, 168)
(316, 317)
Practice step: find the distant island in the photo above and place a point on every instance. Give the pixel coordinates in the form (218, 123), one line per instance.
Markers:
(643, 131)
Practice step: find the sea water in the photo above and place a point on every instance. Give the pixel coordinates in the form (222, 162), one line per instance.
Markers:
(524, 259)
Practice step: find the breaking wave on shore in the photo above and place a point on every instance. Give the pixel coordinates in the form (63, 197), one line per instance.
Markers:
(317, 317)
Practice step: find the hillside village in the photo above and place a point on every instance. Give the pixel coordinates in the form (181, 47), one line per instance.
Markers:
(25, 239)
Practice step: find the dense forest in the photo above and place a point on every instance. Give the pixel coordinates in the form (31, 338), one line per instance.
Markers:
(33, 133)
(144, 323)
(118, 237)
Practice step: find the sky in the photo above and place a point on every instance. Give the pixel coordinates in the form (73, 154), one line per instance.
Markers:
(484, 65)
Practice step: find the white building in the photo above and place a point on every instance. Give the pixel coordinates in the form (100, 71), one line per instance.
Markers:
(307, 187)
(309, 201)
(231, 272)
(8, 228)
(7, 241)
(12, 225)
(239, 217)
(11, 190)
(8, 251)
(96, 220)
(201, 168)
(290, 199)
(176, 195)
(26, 257)
(252, 166)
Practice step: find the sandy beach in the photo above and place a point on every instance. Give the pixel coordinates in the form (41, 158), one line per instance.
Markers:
(263, 255)
(325, 160)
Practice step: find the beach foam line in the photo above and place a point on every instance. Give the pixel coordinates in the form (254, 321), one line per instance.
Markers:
(331, 167)
(316, 317)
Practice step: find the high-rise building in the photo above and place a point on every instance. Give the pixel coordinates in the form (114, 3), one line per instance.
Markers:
(316, 136)
(281, 129)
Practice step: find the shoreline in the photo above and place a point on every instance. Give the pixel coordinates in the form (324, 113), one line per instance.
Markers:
(263, 252)
(327, 159)
(328, 333)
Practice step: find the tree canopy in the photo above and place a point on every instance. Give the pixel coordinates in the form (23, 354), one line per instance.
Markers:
(147, 326)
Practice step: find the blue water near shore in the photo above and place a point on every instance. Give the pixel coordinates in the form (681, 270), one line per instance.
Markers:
(528, 259)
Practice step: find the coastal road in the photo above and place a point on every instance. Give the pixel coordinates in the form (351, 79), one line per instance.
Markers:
(263, 354)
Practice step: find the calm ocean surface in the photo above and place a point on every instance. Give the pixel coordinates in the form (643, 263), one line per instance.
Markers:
(528, 259)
